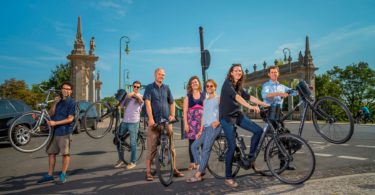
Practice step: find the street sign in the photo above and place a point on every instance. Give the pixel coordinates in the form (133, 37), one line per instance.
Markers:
(205, 63)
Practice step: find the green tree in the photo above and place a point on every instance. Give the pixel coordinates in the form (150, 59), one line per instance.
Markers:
(325, 86)
(61, 73)
(356, 83)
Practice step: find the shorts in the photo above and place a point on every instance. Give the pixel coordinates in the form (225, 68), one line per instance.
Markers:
(59, 144)
(153, 136)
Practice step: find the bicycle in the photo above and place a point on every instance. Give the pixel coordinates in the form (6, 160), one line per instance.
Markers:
(163, 160)
(280, 149)
(30, 132)
(327, 113)
(103, 114)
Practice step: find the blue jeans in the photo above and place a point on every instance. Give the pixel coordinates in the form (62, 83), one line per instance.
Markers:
(133, 130)
(207, 138)
(228, 128)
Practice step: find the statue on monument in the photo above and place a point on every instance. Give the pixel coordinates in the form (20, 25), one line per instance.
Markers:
(92, 46)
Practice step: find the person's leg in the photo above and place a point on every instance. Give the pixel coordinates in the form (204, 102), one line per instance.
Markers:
(257, 131)
(65, 148)
(121, 132)
(152, 140)
(195, 146)
(229, 134)
(51, 163)
(133, 130)
(209, 139)
(177, 173)
(192, 164)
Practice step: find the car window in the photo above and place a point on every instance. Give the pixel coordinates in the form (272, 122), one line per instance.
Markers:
(20, 106)
(6, 108)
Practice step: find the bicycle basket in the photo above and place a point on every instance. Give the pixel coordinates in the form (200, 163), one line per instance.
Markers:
(304, 90)
(120, 95)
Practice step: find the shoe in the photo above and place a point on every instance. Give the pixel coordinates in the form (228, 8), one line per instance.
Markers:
(231, 183)
(46, 178)
(289, 168)
(177, 173)
(149, 177)
(130, 166)
(63, 177)
(120, 164)
(194, 179)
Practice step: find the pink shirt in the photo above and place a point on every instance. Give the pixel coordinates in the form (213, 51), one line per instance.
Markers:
(132, 112)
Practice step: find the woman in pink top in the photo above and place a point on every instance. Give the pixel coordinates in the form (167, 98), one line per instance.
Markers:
(193, 111)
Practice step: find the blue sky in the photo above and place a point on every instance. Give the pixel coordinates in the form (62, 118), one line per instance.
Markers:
(37, 35)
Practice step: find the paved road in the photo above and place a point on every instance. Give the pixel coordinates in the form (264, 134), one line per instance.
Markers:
(92, 170)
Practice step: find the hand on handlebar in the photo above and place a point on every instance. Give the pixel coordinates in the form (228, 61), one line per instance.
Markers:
(255, 108)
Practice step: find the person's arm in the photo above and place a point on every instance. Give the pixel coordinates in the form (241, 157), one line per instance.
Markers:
(139, 98)
(185, 108)
(274, 94)
(151, 121)
(243, 102)
(172, 111)
(52, 110)
(257, 101)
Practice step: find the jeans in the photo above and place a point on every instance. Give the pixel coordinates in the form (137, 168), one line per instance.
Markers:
(228, 128)
(207, 138)
(133, 130)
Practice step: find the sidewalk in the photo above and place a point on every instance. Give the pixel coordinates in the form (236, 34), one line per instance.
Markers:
(347, 184)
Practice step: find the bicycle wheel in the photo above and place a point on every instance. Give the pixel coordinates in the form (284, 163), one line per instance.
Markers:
(98, 120)
(333, 120)
(164, 164)
(30, 132)
(288, 150)
(216, 162)
(127, 148)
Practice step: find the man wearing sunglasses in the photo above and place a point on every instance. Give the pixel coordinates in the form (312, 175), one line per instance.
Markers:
(132, 105)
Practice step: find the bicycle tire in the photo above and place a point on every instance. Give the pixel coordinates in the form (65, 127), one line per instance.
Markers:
(216, 162)
(164, 165)
(98, 120)
(127, 148)
(301, 157)
(25, 135)
(330, 112)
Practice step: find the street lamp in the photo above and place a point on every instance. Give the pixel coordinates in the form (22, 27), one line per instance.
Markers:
(127, 50)
(289, 58)
(126, 79)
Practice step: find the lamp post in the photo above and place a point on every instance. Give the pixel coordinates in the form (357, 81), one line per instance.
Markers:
(126, 79)
(127, 50)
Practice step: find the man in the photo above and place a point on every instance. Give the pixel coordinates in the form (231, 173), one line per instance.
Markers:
(132, 105)
(274, 93)
(159, 105)
(62, 115)
(366, 113)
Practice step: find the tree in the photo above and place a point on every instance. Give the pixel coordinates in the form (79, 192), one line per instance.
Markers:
(325, 86)
(356, 83)
(60, 74)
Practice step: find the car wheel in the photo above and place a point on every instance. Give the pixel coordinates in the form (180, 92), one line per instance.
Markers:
(21, 135)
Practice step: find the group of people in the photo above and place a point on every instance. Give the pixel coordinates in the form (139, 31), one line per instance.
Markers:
(205, 115)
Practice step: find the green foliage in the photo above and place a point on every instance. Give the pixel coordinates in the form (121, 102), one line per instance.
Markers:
(60, 74)
(111, 100)
(354, 84)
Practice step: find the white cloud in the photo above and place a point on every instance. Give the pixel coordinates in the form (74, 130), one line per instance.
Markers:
(213, 41)
(111, 6)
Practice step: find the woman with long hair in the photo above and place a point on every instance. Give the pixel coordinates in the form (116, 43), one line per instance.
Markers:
(193, 111)
(231, 98)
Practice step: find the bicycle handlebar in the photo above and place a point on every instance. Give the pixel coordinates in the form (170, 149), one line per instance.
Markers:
(165, 122)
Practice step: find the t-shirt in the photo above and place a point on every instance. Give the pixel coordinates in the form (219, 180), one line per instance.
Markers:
(228, 106)
(63, 109)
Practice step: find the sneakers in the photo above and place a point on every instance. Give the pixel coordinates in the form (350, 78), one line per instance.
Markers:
(62, 177)
(120, 164)
(130, 166)
(46, 178)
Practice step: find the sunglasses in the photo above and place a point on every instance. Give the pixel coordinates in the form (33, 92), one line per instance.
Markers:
(136, 87)
(209, 86)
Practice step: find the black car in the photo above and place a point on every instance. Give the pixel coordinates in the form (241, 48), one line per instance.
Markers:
(10, 109)
(81, 107)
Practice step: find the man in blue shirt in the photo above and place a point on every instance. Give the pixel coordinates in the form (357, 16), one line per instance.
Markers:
(62, 115)
(159, 105)
(272, 91)
(366, 113)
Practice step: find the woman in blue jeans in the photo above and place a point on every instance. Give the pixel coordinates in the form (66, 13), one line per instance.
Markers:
(232, 97)
(207, 135)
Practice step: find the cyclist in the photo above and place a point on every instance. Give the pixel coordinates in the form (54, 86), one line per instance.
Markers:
(366, 113)
(62, 115)
(159, 105)
(132, 105)
(274, 92)
(231, 98)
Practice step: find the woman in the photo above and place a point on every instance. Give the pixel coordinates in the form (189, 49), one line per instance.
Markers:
(193, 111)
(231, 98)
(211, 128)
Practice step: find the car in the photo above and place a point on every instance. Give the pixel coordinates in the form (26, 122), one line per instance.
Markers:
(10, 109)
(81, 107)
